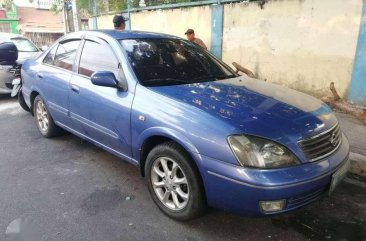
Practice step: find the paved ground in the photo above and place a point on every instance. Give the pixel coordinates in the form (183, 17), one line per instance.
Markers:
(355, 131)
(66, 189)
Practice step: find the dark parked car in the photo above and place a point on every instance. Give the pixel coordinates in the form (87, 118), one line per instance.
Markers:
(200, 133)
(26, 50)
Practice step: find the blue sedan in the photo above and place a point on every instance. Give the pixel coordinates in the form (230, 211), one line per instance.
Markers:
(200, 134)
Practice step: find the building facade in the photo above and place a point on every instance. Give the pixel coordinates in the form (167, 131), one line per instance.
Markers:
(8, 19)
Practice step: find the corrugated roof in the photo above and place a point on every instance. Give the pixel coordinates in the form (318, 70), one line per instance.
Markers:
(39, 20)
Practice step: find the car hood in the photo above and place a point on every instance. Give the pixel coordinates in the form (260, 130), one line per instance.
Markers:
(256, 107)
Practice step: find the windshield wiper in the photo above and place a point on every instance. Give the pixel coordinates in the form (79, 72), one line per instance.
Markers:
(213, 77)
(164, 80)
(161, 81)
(221, 77)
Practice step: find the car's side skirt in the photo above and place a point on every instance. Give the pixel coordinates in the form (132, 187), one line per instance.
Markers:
(119, 154)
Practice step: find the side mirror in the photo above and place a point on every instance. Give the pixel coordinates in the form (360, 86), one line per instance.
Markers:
(104, 78)
(8, 53)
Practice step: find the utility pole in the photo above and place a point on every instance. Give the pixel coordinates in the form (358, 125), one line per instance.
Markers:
(95, 13)
(128, 24)
(64, 18)
(75, 16)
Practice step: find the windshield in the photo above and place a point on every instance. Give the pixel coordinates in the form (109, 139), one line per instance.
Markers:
(24, 45)
(158, 62)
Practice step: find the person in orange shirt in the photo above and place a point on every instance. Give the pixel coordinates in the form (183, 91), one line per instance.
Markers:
(191, 37)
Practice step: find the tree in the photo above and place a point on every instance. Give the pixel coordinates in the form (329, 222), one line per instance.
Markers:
(103, 6)
(7, 4)
(58, 5)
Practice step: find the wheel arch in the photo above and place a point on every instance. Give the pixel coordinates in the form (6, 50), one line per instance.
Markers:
(156, 140)
(33, 95)
(156, 136)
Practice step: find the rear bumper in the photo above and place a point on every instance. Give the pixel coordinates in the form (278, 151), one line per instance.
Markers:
(5, 79)
(5, 90)
(237, 189)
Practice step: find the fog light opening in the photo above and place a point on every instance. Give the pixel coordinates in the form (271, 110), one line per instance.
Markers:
(272, 206)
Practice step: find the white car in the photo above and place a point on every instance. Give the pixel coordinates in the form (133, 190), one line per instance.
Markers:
(26, 50)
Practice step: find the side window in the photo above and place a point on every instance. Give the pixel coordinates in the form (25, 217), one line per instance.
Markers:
(97, 57)
(66, 53)
(49, 57)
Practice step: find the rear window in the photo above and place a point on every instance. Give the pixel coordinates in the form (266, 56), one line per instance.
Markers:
(66, 53)
(24, 45)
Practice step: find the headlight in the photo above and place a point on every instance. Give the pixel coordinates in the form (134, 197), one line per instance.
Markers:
(257, 152)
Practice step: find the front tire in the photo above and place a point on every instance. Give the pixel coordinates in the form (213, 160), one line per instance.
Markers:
(44, 120)
(174, 182)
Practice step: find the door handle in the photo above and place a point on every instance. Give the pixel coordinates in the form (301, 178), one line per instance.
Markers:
(40, 76)
(75, 88)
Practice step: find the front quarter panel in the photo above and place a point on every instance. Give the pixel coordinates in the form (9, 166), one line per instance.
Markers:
(154, 114)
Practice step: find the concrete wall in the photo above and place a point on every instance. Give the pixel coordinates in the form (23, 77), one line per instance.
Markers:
(301, 44)
(175, 22)
(105, 22)
(170, 21)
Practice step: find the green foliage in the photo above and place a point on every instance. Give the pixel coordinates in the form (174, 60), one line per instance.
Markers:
(117, 5)
(96, 7)
(103, 6)
(7, 4)
(83, 4)
(57, 5)
(135, 3)
(54, 8)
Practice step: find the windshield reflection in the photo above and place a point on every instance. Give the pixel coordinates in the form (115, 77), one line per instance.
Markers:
(161, 62)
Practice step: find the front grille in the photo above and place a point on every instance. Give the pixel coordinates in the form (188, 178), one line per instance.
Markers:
(322, 145)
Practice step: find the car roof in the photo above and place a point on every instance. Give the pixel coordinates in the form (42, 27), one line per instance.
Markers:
(126, 34)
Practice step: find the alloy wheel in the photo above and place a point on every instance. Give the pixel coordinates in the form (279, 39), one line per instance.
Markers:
(42, 116)
(170, 183)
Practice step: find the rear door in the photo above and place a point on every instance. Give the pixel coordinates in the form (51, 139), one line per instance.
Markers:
(101, 113)
(54, 76)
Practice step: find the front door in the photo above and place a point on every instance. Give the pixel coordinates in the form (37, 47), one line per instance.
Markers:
(101, 113)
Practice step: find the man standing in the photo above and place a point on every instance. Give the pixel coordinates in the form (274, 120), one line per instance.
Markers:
(119, 22)
(191, 37)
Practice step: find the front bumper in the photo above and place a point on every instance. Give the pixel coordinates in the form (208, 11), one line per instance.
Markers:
(237, 189)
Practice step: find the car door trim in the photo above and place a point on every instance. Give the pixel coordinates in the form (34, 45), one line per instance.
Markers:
(57, 108)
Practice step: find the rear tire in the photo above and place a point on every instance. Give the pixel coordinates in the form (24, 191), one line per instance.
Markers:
(174, 182)
(44, 120)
